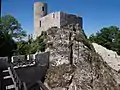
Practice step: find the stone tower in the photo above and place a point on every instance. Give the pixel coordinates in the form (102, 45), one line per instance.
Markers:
(40, 10)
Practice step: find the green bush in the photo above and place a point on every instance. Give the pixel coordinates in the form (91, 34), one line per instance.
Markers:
(108, 37)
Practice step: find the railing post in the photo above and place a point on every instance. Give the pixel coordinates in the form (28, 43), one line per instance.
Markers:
(24, 86)
(42, 85)
(16, 79)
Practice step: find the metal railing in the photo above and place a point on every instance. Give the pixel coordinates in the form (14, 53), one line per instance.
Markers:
(17, 82)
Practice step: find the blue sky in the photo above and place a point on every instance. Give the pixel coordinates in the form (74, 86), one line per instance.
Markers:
(96, 13)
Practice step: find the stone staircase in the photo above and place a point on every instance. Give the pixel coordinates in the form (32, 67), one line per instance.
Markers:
(11, 80)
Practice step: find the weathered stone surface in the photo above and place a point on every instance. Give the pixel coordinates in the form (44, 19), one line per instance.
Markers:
(87, 71)
(4, 58)
(42, 59)
(18, 60)
(55, 19)
(109, 56)
(60, 75)
(57, 43)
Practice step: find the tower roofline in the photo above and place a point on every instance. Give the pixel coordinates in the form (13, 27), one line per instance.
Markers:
(39, 2)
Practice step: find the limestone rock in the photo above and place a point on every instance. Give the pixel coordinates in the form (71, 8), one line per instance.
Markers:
(87, 71)
(109, 56)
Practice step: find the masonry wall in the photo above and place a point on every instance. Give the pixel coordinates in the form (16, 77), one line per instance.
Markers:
(57, 19)
(48, 21)
(40, 10)
(66, 19)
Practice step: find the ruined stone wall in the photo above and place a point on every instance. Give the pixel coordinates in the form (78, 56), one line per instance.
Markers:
(67, 19)
(4, 58)
(41, 59)
(57, 19)
(40, 10)
(48, 21)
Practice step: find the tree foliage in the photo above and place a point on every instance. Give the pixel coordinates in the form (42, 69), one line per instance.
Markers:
(108, 37)
(7, 44)
(11, 26)
(31, 46)
(10, 29)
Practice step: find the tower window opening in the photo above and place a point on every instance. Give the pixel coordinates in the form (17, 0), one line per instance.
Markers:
(53, 15)
(43, 8)
(40, 23)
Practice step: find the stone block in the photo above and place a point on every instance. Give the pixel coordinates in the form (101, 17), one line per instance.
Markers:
(17, 60)
(42, 59)
(4, 58)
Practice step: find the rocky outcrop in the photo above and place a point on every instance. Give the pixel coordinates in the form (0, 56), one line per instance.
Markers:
(74, 64)
(109, 56)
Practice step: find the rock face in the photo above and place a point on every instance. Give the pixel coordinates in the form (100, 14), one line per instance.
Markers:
(74, 64)
(109, 56)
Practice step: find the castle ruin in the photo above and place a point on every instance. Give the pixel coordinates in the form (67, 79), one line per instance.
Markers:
(43, 21)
